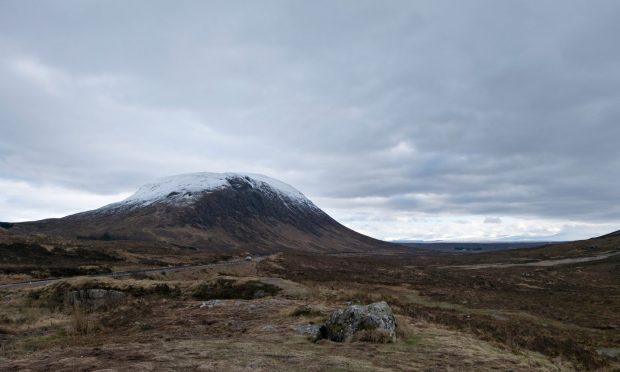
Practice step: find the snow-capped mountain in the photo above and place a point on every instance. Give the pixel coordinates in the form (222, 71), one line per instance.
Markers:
(185, 189)
(217, 211)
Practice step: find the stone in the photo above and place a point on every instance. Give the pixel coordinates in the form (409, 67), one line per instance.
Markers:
(343, 325)
(312, 330)
(95, 297)
(211, 303)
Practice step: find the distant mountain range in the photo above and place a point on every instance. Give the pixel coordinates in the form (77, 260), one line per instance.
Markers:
(472, 246)
(215, 211)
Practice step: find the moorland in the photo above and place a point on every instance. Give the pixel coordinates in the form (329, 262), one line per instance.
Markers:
(554, 307)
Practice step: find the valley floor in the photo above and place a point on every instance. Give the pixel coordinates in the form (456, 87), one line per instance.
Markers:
(251, 316)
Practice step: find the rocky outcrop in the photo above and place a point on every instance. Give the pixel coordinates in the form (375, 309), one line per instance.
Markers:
(94, 298)
(374, 322)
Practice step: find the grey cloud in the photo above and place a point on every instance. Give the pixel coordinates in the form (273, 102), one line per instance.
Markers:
(492, 220)
(475, 107)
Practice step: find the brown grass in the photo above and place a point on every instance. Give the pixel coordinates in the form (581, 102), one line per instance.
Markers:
(81, 323)
(228, 288)
(404, 329)
(446, 320)
(375, 336)
(175, 333)
(558, 311)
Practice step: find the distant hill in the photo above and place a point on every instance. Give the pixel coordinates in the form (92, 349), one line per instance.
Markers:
(472, 247)
(613, 234)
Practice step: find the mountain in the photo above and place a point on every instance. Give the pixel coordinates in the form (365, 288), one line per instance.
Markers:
(610, 235)
(213, 211)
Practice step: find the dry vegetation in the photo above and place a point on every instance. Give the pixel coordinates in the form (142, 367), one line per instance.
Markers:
(251, 316)
(566, 312)
(30, 257)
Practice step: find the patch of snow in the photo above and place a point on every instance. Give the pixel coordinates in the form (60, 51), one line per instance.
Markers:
(185, 188)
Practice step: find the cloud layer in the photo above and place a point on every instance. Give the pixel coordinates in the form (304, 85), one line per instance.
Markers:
(386, 113)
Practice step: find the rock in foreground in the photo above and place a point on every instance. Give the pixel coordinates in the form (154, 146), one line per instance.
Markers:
(374, 322)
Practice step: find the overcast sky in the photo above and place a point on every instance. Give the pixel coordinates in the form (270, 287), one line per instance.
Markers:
(460, 120)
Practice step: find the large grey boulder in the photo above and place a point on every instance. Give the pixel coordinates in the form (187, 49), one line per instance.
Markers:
(95, 298)
(374, 322)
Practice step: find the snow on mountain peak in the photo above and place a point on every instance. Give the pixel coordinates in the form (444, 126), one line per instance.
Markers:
(184, 188)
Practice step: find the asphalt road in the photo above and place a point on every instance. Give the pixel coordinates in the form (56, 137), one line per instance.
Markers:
(42, 282)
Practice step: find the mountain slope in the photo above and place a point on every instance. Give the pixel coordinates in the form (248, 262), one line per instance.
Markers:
(610, 235)
(217, 212)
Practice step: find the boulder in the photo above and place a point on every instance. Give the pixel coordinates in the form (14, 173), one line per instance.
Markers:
(374, 322)
(95, 298)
